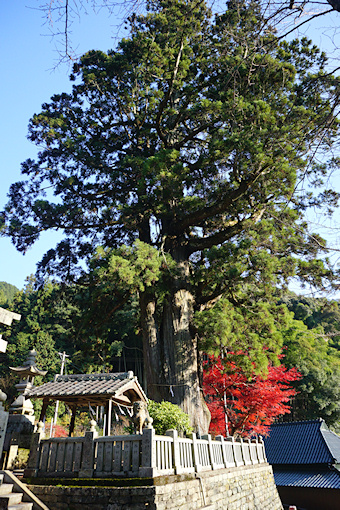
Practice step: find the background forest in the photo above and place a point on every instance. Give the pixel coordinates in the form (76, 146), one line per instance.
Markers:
(179, 171)
(56, 318)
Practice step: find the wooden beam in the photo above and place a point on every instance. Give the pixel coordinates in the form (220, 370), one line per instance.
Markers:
(72, 422)
(43, 409)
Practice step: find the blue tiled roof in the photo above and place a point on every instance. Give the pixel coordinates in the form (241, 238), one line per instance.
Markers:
(322, 479)
(302, 442)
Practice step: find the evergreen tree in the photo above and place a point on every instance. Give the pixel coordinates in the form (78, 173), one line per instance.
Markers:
(70, 318)
(181, 153)
(311, 340)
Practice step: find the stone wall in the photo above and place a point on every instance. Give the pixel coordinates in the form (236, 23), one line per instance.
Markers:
(242, 488)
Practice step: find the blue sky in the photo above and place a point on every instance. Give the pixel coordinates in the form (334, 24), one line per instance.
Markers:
(28, 56)
(29, 77)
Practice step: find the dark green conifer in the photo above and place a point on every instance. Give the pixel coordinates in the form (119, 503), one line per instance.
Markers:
(187, 145)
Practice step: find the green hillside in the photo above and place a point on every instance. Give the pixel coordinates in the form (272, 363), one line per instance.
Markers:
(7, 292)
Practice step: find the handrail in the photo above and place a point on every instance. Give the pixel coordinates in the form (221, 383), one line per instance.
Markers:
(145, 455)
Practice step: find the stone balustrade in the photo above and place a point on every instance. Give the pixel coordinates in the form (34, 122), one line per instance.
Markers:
(146, 455)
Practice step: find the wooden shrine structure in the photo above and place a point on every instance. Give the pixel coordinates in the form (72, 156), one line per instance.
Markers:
(120, 389)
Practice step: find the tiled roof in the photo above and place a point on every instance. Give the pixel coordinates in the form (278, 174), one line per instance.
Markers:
(333, 443)
(302, 442)
(322, 479)
(91, 387)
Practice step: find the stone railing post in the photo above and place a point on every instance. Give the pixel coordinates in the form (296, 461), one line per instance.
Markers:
(253, 452)
(243, 447)
(246, 452)
(87, 456)
(238, 461)
(34, 456)
(148, 467)
(207, 437)
(195, 453)
(229, 450)
(175, 450)
(262, 450)
(224, 456)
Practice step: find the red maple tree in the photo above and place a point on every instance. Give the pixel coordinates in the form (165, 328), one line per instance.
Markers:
(59, 431)
(244, 405)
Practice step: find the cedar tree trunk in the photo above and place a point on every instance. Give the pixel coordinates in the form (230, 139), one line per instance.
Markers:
(170, 350)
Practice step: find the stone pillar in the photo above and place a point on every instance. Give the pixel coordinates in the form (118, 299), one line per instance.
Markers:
(253, 451)
(224, 457)
(3, 420)
(197, 463)
(12, 451)
(34, 457)
(207, 437)
(148, 468)
(177, 459)
(87, 456)
(109, 417)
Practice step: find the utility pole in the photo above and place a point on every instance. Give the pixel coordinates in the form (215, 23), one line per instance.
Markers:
(63, 357)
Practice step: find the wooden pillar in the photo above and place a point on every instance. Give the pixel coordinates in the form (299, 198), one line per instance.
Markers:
(43, 409)
(72, 422)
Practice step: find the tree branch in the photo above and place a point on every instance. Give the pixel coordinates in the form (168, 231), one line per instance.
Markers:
(196, 218)
(198, 244)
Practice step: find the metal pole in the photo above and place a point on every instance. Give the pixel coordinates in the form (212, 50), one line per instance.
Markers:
(225, 414)
(109, 418)
(63, 357)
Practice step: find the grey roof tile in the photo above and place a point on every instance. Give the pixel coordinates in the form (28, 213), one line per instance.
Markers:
(303, 442)
(82, 385)
(325, 479)
(333, 443)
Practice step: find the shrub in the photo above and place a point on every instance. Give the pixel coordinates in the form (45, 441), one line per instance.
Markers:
(168, 416)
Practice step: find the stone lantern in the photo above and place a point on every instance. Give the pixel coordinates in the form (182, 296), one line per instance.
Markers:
(20, 426)
(27, 373)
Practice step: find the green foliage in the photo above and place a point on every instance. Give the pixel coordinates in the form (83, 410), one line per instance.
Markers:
(35, 329)
(133, 267)
(7, 292)
(69, 318)
(184, 154)
(316, 356)
(316, 312)
(179, 130)
(168, 416)
(304, 327)
(252, 327)
(57, 318)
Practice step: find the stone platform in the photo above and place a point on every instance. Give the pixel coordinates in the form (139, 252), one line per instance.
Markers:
(238, 488)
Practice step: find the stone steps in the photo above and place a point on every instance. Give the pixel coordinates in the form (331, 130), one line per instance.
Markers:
(13, 501)
(21, 506)
(10, 500)
(5, 488)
